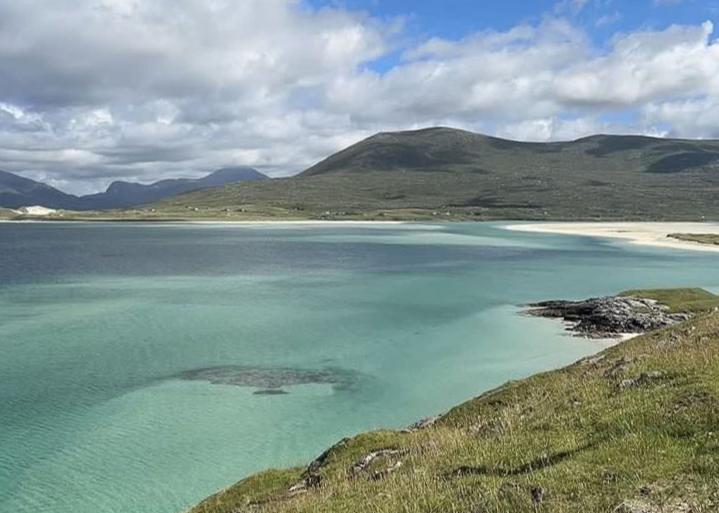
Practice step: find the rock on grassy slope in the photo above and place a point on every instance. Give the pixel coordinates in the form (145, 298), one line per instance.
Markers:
(633, 429)
(631, 312)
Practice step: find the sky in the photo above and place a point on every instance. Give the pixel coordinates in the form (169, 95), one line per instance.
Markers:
(93, 91)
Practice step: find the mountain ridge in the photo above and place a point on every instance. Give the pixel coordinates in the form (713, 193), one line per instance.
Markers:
(121, 194)
(419, 174)
(420, 147)
(461, 175)
(17, 191)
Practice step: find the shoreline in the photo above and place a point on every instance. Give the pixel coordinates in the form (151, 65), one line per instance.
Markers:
(654, 234)
(638, 233)
(308, 222)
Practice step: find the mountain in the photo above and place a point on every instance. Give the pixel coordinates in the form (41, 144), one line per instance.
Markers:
(458, 174)
(447, 149)
(16, 191)
(128, 194)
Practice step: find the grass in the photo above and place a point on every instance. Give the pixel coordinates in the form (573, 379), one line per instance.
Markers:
(692, 300)
(636, 424)
(528, 195)
(702, 238)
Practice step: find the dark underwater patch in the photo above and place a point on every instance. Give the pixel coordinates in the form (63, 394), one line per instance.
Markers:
(271, 380)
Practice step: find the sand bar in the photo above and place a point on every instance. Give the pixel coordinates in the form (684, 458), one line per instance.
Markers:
(644, 234)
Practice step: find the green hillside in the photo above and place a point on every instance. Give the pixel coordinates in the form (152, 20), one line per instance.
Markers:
(634, 429)
(447, 173)
(679, 300)
(702, 238)
(6, 213)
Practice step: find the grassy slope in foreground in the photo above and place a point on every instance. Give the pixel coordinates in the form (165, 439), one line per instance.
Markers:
(702, 238)
(632, 429)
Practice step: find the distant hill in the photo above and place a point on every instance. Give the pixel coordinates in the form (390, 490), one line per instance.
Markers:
(455, 173)
(16, 191)
(447, 149)
(128, 194)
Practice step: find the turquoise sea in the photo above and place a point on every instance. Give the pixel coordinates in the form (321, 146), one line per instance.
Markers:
(144, 366)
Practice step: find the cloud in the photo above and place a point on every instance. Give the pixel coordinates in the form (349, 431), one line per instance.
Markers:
(686, 118)
(540, 72)
(151, 88)
(645, 66)
(96, 90)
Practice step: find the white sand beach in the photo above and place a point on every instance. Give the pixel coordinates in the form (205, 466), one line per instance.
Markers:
(644, 234)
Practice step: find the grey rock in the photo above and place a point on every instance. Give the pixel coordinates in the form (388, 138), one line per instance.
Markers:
(643, 379)
(537, 493)
(362, 466)
(381, 474)
(610, 316)
(309, 481)
(321, 460)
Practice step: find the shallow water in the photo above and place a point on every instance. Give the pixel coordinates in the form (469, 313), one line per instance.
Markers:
(145, 366)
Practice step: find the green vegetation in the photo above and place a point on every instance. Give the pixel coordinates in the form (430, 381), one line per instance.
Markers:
(631, 429)
(454, 175)
(449, 174)
(6, 213)
(679, 300)
(255, 489)
(702, 238)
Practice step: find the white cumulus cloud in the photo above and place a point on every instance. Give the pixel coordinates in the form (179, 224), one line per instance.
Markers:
(96, 90)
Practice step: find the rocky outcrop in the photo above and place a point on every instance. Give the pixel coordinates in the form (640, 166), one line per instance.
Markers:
(606, 317)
